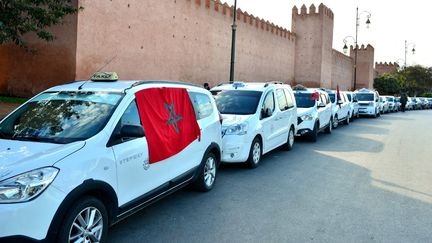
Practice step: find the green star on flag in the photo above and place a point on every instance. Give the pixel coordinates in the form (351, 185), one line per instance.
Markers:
(173, 118)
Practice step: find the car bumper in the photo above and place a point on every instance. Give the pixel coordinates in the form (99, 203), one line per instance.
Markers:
(367, 110)
(30, 221)
(304, 128)
(235, 148)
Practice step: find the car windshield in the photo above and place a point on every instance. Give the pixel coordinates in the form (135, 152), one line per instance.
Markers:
(390, 99)
(239, 102)
(304, 100)
(349, 97)
(60, 117)
(397, 99)
(365, 97)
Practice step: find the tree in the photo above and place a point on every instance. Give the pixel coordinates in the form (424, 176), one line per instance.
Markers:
(418, 79)
(19, 17)
(387, 84)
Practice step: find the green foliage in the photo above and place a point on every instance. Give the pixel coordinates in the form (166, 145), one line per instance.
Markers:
(13, 100)
(427, 94)
(19, 17)
(414, 80)
(387, 84)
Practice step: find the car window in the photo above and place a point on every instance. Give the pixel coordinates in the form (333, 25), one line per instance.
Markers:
(269, 102)
(239, 102)
(282, 102)
(202, 105)
(304, 100)
(131, 115)
(290, 99)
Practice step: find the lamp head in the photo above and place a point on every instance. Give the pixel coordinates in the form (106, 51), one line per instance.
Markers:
(368, 23)
(413, 51)
(345, 49)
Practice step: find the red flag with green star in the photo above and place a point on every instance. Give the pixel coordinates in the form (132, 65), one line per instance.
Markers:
(169, 121)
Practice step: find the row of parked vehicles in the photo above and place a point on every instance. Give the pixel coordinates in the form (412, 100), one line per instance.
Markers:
(79, 157)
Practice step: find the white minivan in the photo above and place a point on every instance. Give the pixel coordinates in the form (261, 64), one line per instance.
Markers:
(314, 112)
(341, 107)
(77, 158)
(257, 118)
(369, 103)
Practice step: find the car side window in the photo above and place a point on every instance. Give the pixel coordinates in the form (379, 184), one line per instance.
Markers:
(269, 102)
(131, 115)
(202, 105)
(282, 102)
(290, 99)
(324, 99)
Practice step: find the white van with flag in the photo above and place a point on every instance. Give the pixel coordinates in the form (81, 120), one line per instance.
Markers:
(80, 157)
(257, 118)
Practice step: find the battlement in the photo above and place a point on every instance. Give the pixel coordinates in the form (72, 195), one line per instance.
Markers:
(385, 64)
(369, 47)
(245, 17)
(304, 11)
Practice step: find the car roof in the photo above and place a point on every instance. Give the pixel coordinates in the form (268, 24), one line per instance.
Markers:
(249, 86)
(120, 85)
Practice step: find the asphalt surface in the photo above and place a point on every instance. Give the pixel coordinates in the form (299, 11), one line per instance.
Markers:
(370, 181)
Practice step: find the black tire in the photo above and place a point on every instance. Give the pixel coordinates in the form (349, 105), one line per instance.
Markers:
(347, 120)
(206, 177)
(255, 153)
(375, 115)
(329, 128)
(290, 140)
(335, 123)
(313, 136)
(81, 207)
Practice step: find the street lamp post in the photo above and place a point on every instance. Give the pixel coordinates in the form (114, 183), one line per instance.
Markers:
(345, 48)
(407, 45)
(233, 42)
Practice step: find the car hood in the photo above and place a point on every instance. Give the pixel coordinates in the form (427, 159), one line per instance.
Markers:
(304, 111)
(229, 120)
(17, 157)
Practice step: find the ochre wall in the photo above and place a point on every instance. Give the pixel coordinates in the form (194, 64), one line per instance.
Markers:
(25, 74)
(342, 71)
(382, 68)
(187, 40)
(313, 57)
(365, 66)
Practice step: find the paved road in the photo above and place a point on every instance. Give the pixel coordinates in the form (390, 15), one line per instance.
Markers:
(370, 181)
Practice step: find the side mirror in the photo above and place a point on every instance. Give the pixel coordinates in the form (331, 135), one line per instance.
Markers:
(131, 131)
(339, 102)
(355, 101)
(266, 113)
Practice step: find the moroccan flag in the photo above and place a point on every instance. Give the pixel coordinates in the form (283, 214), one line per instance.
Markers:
(168, 119)
(338, 96)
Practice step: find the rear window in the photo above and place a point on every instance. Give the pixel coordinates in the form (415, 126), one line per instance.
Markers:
(239, 102)
(365, 97)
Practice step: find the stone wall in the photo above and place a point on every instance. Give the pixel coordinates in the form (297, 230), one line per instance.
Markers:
(342, 71)
(314, 31)
(365, 66)
(382, 68)
(187, 40)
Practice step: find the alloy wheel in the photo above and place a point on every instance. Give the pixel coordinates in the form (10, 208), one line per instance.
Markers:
(87, 226)
(210, 171)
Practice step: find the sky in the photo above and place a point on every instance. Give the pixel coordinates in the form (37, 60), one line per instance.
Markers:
(392, 22)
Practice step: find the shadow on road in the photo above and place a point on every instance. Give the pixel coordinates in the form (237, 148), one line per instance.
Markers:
(296, 196)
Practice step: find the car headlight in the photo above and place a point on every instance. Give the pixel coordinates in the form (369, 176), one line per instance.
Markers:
(26, 186)
(307, 117)
(238, 129)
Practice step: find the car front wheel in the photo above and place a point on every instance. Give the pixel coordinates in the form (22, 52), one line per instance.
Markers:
(290, 141)
(255, 153)
(86, 221)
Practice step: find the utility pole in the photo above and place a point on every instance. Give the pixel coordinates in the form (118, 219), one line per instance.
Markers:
(233, 42)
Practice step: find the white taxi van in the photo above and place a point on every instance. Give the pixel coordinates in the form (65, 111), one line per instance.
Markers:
(369, 103)
(80, 157)
(257, 118)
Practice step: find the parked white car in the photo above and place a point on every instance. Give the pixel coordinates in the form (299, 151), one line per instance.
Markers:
(340, 108)
(257, 118)
(384, 105)
(410, 105)
(391, 103)
(314, 112)
(352, 98)
(368, 100)
(75, 158)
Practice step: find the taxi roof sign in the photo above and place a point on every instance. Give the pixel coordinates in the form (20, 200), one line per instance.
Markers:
(105, 76)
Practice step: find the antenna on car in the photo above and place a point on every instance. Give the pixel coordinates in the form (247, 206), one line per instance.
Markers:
(106, 64)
